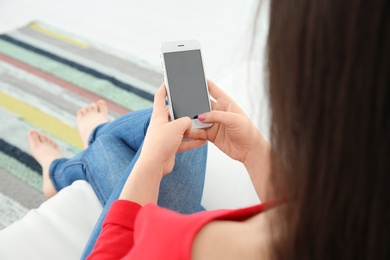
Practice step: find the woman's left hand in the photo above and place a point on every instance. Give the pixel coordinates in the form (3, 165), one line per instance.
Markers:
(164, 138)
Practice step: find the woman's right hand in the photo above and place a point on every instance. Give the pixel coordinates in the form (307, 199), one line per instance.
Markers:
(232, 131)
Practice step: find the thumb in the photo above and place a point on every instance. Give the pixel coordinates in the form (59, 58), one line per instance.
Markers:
(182, 124)
(221, 117)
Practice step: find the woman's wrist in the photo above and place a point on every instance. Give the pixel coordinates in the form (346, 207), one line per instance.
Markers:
(258, 166)
(151, 164)
(143, 184)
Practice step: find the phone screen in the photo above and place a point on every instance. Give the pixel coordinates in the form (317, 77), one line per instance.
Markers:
(186, 79)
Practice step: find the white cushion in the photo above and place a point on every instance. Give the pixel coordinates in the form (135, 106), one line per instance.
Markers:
(58, 229)
(227, 184)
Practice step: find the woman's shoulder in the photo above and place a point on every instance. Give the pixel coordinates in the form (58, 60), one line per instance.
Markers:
(206, 232)
(231, 239)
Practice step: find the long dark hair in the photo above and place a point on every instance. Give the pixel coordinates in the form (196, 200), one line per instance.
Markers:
(329, 81)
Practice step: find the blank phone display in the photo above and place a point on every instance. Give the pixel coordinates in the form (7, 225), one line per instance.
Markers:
(187, 87)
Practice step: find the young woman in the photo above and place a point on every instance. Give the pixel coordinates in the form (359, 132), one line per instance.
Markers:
(328, 168)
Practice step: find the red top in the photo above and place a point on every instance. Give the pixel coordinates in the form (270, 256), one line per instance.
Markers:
(151, 232)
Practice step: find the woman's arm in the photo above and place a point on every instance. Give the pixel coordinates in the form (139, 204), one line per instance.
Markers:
(116, 238)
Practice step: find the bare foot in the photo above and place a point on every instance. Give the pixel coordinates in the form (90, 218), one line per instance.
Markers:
(89, 117)
(45, 151)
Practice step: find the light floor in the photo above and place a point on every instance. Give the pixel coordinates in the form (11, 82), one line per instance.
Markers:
(137, 27)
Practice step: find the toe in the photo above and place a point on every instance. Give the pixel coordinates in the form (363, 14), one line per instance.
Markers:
(32, 138)
(80, 113)
(92, 107)
(102, 106)
(85, 110)
(53, 143)
(40, 137)
(33, 134)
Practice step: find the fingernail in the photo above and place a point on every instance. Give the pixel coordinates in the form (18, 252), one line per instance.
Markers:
(201, 117)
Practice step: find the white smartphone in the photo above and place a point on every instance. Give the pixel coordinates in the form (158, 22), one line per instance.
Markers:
(185, 80)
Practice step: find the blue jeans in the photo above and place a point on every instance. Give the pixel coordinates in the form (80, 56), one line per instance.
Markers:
(106, 164)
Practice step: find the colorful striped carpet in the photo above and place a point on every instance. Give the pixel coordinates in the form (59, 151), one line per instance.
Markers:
(46, 76)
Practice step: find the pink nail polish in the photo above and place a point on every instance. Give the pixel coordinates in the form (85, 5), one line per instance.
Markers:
(201, 117)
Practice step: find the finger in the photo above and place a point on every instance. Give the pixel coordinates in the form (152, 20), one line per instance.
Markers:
(182, 124)
(213, 104)
(196, 134)
(190, 144)
(168, 113)
(159, 103)
(223, 100)
(215, 91)
(222, 117)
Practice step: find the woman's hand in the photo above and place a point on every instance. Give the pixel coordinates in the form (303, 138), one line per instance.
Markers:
(235, 135)
(162, 141)
(232, 131)
(164, 138)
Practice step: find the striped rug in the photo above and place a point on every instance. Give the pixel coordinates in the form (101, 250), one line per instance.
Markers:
(46, 76)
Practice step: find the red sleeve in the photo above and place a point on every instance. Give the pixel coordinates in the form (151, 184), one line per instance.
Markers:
(164, 234)
(116, 238)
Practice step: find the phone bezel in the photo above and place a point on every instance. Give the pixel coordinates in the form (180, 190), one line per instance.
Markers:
(180, 46)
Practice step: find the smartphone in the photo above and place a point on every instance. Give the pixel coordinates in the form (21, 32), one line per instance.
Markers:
(185, 80)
